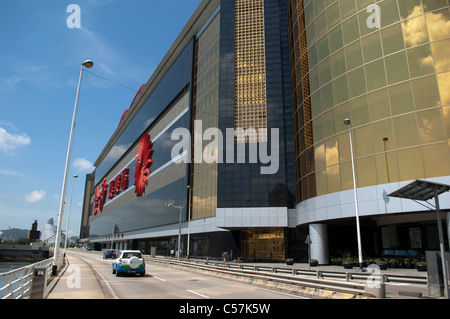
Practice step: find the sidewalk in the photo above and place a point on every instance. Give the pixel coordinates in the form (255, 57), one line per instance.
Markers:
(77, 280)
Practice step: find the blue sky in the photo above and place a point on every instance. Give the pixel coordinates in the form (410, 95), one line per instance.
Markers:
(40, 60)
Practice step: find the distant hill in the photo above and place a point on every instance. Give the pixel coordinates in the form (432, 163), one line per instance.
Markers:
(13, 233)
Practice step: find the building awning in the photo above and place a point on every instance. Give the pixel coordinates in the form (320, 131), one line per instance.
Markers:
(420, 190)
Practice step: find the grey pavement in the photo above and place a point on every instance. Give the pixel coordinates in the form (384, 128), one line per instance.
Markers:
(77, 280)
(88, 284)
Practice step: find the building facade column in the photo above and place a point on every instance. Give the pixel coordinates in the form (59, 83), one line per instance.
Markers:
(318, 234)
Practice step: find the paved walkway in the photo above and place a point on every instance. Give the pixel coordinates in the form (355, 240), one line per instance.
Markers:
(77, 280)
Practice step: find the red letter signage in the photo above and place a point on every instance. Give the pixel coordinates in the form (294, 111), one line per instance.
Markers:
(143, 163)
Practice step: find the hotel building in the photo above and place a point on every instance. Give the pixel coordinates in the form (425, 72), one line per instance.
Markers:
(237, 140)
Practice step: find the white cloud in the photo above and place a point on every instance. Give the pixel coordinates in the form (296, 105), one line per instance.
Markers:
(9, 142)
(35, 196)
(11, 172)
(83, 165)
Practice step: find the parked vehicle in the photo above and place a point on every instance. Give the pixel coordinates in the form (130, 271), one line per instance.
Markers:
(129, 262)
(109, 254)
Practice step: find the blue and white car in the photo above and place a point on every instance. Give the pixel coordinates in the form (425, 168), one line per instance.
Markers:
(129, 262)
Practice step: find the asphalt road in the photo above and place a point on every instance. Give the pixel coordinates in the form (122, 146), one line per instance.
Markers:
(167, 283)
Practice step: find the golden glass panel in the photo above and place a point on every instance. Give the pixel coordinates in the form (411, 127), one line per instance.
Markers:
(397, 67)
(320, 23)
(324, 72)
(317, 129)
(340, 90)
(441, 55)
(329, 124)
(337, 64)
(375, 75)
(366, 174)
(356, 83)
(350, 30)
(331, 151)
(409, 8)
(430, 5)
(347, 8)
(353, 55)
(405, 128)
(319, 156)
(392, 39)
(387, 167)
(380, 130)
(362, 137)
(431, 126)
(410, 164)
(332, 15)
(379, 104)
(335, 37)
(444, 87)
(360, 111)
(446, 111)
(333, 179)
(414, 30)
(401, 98)
(438, 24)
(371, 46)
(344, 147)
(420, 60)
(345, 169)
(321, 182)
(326, 93)
(426, 93)
(322, 48)
(436, 158)
(389, 12)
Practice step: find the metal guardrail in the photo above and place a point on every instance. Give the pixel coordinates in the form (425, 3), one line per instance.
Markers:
(348, 282)
(16, 284)
(256, 272)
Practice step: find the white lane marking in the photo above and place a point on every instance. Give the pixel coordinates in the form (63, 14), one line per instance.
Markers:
(159, 278)
(198, 294)
(106, 283)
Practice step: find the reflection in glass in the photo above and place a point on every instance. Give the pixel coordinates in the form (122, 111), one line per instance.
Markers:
(375, 75)
(379, 105)
(405, 128)
(414, 30)
(420, 61)
(426, 92)
(444, 87)
(409, 8)
(441, 55)
(397, 68)
(438, 24)
(365, 172)
(392, 39)
(436, 165)
(410, 164)
(401, 98)
(380, 130)
(431, 126)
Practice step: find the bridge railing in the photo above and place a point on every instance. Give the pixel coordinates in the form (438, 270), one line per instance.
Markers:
(16, 284)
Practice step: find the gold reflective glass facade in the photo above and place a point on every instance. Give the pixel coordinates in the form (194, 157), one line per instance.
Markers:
(206, 109)
(250, 68)
(392, 81)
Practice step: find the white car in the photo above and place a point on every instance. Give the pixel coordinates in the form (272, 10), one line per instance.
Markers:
(129, 262)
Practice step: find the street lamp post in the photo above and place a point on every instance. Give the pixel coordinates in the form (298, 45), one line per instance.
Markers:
(189, 220)
(358, 231)
(88, 64)
(179, 230)
(68, 215)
